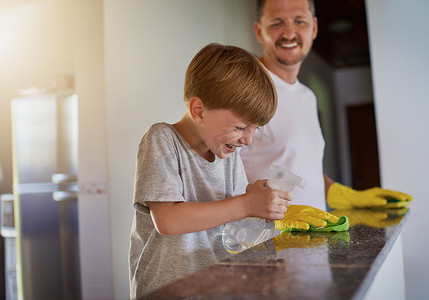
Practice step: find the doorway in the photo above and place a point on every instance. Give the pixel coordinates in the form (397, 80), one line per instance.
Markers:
(363, 146)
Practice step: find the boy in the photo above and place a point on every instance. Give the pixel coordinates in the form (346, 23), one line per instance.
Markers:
(189, 178)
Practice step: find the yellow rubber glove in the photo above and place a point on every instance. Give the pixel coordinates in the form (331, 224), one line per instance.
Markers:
(300, 217)
(343, 197)
(378, 218)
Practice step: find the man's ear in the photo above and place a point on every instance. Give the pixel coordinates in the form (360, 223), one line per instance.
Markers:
(257, 30)
(196, 109)
(315, 28)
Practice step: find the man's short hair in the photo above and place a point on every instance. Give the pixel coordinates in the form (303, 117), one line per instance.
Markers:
(260, 8)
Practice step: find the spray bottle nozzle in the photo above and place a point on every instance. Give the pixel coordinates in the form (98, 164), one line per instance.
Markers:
(282, 179)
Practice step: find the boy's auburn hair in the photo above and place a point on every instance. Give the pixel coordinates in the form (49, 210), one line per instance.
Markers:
(228, 77)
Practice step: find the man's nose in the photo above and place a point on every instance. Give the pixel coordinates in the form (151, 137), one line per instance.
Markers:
(288, 31)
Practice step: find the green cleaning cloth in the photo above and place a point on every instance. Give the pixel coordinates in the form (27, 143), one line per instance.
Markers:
(341, 225)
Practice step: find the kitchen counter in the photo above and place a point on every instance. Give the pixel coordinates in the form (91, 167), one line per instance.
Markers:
(300, 265)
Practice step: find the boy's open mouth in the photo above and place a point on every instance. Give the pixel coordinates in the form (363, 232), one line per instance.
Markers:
(230, 147)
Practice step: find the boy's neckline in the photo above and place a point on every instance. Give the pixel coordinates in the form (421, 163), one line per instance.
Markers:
(187, 135)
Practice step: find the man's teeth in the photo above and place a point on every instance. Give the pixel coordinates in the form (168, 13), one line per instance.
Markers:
(230, 146)
(289, 45)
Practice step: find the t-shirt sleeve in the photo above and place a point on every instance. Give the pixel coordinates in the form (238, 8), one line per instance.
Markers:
(157, 177)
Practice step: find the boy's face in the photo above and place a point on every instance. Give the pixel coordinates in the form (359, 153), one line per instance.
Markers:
(222, 132)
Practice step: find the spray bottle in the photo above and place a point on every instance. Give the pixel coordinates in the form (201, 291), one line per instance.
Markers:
(248, 232)
(285, 180)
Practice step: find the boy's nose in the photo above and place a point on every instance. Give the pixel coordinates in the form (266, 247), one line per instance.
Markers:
(246, 138)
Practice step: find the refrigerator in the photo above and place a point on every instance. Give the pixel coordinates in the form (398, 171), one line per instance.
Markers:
(45, 190)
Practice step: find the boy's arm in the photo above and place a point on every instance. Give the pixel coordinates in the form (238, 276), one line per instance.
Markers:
(184, 217)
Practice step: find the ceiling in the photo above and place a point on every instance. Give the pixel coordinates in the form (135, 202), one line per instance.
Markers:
(342, 39)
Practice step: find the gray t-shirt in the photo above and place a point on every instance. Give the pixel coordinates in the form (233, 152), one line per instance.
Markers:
(168, 169)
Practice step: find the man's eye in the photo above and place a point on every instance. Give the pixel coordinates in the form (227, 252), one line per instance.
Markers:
(275, 24)
(240, 128)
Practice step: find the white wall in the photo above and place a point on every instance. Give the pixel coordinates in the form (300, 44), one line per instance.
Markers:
(148, 45)
(94, 222)
(388, 282)
(399, 45)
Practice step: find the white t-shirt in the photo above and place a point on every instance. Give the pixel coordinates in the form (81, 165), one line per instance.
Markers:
(293, 140)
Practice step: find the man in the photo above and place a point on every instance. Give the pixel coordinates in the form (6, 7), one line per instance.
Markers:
(293, 139)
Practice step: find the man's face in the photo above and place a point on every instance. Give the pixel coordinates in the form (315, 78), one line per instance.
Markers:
(286, 31)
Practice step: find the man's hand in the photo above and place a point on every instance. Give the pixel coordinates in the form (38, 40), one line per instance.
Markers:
(343, 197)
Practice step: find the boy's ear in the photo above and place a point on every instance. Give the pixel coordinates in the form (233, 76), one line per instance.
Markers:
(196, 109)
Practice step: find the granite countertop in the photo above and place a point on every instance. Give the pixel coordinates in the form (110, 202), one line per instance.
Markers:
(300, 265)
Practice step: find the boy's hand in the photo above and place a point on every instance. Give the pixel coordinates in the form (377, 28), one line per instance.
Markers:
(266, 203)
(308, 218)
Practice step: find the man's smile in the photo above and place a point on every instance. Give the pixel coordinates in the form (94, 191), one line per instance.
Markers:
(287, 44)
